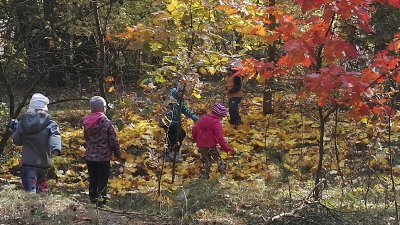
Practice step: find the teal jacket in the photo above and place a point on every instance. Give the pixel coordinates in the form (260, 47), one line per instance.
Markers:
(176, 108)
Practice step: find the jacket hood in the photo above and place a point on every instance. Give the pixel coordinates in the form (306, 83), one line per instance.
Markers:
(173, 92)
(35, 122)
(208, 121)
(91, 119)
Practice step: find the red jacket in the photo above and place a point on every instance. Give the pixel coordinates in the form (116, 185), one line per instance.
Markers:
(208, 132)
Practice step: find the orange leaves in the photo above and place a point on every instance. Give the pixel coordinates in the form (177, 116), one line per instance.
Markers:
(253, 30)
(395, 44)
(109, 79)
(298, 52)
(271, 38)
(287, 26)
(229, 10)
(251, 67)
(137, 32)
(370, 76)
(294, 59)
(385, 62)
(396, 77)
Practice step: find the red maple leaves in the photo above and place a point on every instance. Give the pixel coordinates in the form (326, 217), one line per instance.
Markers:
(316, 44)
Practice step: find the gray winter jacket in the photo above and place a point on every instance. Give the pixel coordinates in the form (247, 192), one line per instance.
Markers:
(39, 136)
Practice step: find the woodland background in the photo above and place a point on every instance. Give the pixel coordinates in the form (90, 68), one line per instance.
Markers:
(319, 143)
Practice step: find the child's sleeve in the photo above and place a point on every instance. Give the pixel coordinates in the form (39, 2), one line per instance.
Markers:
(188, 112)
(219, 135)
(17, 136)
(113, 139)
(54, 137)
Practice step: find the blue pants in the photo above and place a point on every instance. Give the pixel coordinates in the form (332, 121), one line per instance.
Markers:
(234, 117)
(34, 178)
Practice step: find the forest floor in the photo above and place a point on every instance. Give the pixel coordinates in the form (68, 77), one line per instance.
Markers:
(269, 179)
(209, 202)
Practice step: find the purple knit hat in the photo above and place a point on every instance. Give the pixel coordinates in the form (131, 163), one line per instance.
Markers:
(219, 110)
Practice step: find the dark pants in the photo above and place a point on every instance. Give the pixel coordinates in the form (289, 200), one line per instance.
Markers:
(98, 179)
(175, 134)
(234, 117)
(207, 156)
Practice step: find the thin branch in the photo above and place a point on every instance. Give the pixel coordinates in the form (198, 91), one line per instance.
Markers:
(67, 100)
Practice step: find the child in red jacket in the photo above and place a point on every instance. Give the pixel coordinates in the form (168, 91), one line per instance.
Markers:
(207, 133)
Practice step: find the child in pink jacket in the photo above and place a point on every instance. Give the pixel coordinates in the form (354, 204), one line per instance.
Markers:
(207, 133)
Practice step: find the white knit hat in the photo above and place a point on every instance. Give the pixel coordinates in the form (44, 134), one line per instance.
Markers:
(38, 101)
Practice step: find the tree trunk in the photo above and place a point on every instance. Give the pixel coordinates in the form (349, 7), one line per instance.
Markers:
(320, 151)
(101, 50)
(271, 54)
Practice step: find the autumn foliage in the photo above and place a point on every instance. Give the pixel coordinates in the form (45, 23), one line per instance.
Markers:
(315, 42)
(307, 43)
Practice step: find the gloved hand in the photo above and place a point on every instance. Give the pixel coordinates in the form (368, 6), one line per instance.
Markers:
(12, 125)
(56, 152)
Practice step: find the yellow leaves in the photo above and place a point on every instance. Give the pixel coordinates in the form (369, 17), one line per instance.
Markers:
(203, 71)
(128, 157)
(211, 70)
(258, 143)
(364, 120)
(260, 30)
(120, 184)
(196, 95)
(155, 45)
(13, 162)
(148, 182)
(127, 171)
(241, 147)
(70, 173)
(172, 5)
(257, 116)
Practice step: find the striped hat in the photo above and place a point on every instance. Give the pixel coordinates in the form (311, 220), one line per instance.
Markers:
(219, 110)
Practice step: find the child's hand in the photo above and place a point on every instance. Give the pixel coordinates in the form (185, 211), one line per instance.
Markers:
(13, 125)
(56, 152)
(229, 151)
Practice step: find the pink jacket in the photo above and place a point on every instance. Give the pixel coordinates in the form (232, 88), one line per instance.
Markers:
(208, 132)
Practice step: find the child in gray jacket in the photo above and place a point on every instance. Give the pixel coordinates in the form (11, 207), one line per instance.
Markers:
(40, 138)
